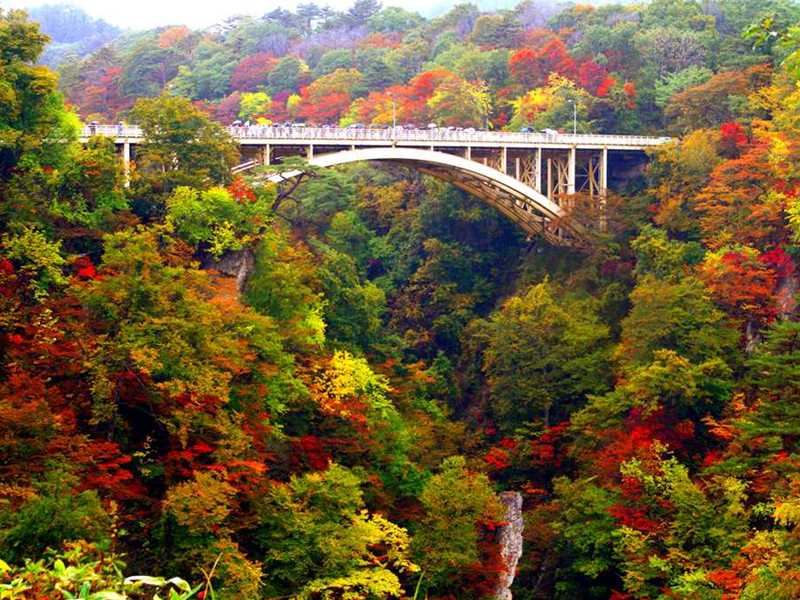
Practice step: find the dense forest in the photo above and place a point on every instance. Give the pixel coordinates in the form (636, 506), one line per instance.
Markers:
(216, 389)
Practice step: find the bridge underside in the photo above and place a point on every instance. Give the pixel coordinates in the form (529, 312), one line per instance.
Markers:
(528, 208)
(522, 211)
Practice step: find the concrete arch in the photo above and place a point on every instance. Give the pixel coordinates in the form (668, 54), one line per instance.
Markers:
(530, 209)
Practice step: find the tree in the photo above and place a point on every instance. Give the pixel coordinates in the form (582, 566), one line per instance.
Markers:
(183, 148)
(332, 60)
(393, 19)
(674, 83)
(459, 102)
(254, 105)
(39, 128)
(148, 69)
(531, 68)
(209, 75)
(552, 106)
(496, 31)
(318, 539)
(676, 315)
(740, 204)
(716, 101)
(457, 503)
(671, 50)
(542, 354)
(251, 73)
(287, 75)
(326, 99)
(359, 14)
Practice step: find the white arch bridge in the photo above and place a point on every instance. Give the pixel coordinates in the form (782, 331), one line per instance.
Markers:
(527, 176)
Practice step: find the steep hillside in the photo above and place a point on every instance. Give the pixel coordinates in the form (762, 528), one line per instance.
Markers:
(398, 363)
(73, 33)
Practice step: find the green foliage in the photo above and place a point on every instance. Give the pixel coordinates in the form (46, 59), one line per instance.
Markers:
(215, 220)
(542, 353)
(55, 514)
(254, 104)
(184, 148)
(676, 315)
(586, 528)
(456, 502)
(283, 286)
(90, 190)
(39, 258)
(673, 83)
(287, 75)
(318, 539)
(353, 310)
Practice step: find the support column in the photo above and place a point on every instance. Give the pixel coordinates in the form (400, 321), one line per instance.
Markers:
(310, 151)
(603, 189)
(550, 178)
(516, 168)
(571, 172)
(468, 153)
(126, 162)
(538, 181)
(604, 172)
(266, 155)
(504, 160)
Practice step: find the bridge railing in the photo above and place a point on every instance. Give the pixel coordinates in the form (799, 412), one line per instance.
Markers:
(348, 135)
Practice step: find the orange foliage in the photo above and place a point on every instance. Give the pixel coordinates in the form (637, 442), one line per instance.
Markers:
(739, 204)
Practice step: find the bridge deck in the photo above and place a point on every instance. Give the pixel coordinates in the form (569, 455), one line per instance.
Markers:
(258, 135)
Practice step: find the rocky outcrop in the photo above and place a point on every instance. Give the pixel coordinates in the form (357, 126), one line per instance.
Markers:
(510, 542)
(234, 264)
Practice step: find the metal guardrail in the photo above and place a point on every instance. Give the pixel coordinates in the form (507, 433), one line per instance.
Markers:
(268, 133)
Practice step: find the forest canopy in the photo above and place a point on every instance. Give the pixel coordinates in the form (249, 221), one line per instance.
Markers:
(211, 387)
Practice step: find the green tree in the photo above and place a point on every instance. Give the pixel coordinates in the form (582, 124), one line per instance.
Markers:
(457, 502)
(36, 128)
(542, 353)
(216, 221)
(57, 513)
(459, 102)
(287, 75)
(318, 540)
(677, 315)
(184, 148)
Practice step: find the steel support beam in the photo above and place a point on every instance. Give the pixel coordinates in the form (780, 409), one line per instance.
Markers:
(604, 171)
(571, 173)
(537, 182)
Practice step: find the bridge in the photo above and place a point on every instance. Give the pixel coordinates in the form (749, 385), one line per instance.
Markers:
(528, 176)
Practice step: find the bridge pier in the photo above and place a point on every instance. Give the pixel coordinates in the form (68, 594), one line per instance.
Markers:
(266, 155)
(537, 180)
(126, 162)
(604, 171)
(571, 160)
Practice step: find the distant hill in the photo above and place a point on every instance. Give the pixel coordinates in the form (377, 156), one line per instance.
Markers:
(73, 32)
